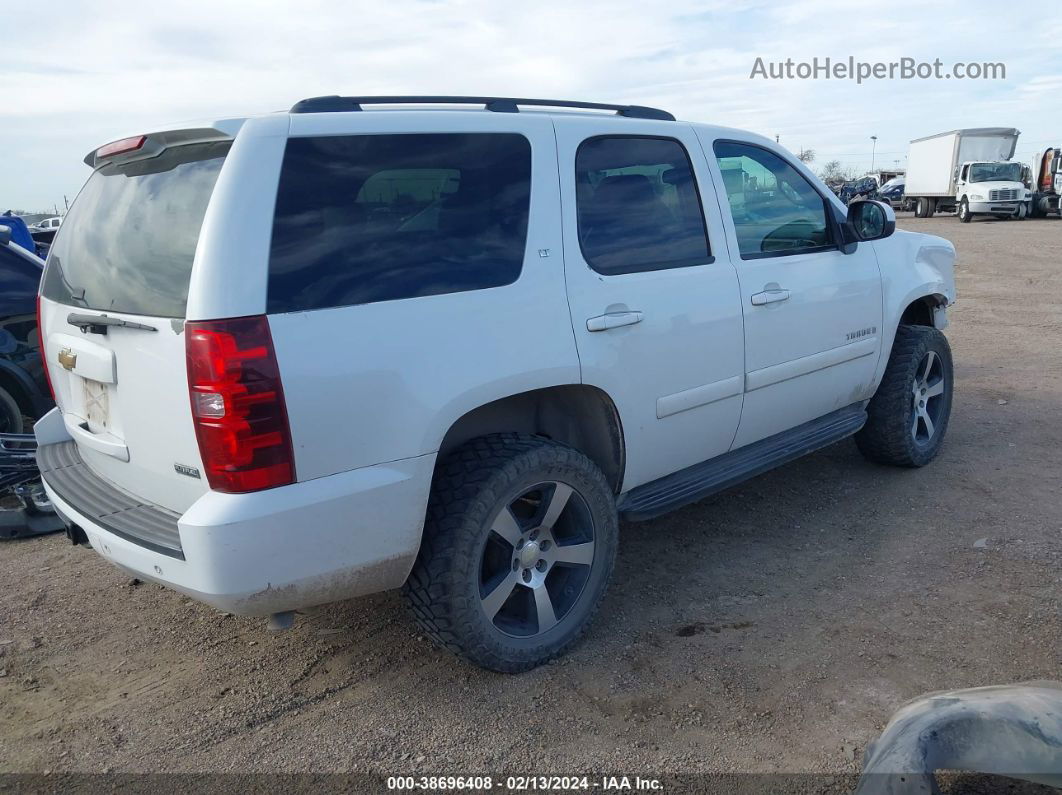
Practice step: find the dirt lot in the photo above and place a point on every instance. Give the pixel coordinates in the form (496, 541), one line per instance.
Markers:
(775, 627)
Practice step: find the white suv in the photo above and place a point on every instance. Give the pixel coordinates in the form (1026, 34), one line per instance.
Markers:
(447, 343)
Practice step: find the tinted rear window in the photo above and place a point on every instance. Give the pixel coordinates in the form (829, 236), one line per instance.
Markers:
(638, 206)
(128, 242)
(369, 218)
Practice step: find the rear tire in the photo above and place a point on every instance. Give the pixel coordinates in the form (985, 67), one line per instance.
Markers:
(921, 207)
(908, 415)
(519, 543)
(11, 420)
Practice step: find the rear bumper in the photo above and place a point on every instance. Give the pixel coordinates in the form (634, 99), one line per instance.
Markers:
(309, 543)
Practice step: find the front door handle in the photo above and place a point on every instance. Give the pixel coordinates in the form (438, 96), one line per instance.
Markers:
(613, 320)
(769, 297)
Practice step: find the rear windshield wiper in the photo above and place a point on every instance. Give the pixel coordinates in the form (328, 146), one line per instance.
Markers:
(75, 293)
(97, 324)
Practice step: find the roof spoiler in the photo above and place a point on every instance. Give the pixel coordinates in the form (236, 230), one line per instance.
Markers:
(153, 144)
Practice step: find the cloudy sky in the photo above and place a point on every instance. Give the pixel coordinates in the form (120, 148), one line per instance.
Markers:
(79, 74)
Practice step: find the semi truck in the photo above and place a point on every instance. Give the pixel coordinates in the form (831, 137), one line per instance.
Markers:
(969, 171)
(1046, 182)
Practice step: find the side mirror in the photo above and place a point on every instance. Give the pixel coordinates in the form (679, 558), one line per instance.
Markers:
(869, 220)
(5, 235)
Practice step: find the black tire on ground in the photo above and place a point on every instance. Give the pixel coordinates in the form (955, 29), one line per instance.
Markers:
(10, 414)
(493, 507)
(964, 211)
(931, 205)
(921, 207)
(908, 416)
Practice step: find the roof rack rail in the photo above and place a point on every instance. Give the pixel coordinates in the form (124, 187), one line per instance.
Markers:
(338, 104)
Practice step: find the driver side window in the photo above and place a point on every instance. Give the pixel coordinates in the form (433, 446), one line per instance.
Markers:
(776, 211)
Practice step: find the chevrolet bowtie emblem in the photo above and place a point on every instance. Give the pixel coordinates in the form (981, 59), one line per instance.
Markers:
(67, 358)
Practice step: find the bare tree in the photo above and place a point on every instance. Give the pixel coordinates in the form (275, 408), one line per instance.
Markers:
(832, 171)
(806, 155)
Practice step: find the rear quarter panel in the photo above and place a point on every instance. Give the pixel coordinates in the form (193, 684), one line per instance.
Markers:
(231, 268)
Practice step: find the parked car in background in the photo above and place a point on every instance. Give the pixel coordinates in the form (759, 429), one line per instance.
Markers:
(893, 193)
(448, 349)
(42, 241)
(47, 225)
(19, 233)
(858, 190)
(24, 392)
(28, 237)
(885, 175)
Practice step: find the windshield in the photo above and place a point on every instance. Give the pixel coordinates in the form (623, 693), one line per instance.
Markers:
(995, 172)
(128, 242)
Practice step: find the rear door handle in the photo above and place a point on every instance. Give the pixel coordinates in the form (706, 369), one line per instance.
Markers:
(769, 297)
(613, 320)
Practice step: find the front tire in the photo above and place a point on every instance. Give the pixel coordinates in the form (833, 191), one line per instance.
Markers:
(519, 543)
(964, 211)
(908, 415)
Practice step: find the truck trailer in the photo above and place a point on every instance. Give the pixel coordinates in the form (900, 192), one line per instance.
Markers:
(970, 171)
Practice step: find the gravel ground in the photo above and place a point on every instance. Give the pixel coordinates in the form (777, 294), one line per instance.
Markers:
(775, 627)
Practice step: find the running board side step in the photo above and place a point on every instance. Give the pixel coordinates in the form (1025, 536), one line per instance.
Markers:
(702, 480)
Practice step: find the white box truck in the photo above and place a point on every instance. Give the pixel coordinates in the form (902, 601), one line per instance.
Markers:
(970, 171)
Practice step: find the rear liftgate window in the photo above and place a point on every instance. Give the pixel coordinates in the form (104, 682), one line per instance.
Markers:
(367, 218)
(128, 242)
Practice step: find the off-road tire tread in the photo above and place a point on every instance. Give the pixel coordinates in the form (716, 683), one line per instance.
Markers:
(462, 486)
(9, 406)
(886, 436)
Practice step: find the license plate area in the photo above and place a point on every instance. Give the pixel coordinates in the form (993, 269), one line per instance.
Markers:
(97, 405)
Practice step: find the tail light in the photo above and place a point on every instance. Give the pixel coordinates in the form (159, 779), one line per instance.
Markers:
(44, 353)
(238, 404)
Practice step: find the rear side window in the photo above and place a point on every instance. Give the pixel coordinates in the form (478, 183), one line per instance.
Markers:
(128, 242)
(638, 205)
(367, 218)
